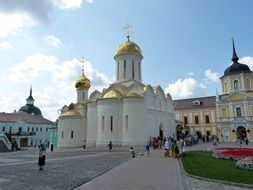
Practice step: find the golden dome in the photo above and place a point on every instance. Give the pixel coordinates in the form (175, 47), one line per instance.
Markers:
(71, 113)
(82, 83)
(112, 94)
(128, 48)
(133, 94)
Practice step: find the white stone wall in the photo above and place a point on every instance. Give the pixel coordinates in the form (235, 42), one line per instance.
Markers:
(92, 124)
(68, 124)
(108, 108)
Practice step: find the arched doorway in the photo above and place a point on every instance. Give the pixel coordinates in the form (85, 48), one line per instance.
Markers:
(241, 133)
(161, 131)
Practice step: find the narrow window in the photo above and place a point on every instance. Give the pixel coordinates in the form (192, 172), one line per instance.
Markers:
(37, 129)
(236, 85)
(124, 69)
(111, 123)
(196, 120)
(103, 123)
(28, 129)
(46, 129)
(238, 112)
(32, 129)
(133, 69)
(72, 134)
(207, 119)
(3, 129)
(185, 120)
(62, 134)
(10, 130)
(40, 129)
(126, 123)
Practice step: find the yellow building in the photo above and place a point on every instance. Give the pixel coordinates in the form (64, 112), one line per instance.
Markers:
(197, 116)
(235, 105)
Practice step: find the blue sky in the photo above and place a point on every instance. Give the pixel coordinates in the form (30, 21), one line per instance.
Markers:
(185, 43)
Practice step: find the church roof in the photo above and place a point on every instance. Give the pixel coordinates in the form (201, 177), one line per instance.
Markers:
(236, 67)
(28, 118)
(195, 103)
(31, 109)
(128, 48)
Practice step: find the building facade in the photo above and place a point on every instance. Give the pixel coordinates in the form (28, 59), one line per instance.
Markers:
(235, 105)
(128, 112)
(27, 127)
(197, 116)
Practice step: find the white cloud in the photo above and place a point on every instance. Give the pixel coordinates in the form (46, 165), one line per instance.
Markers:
(53, 41)
(248, 61)
(186, 88)
(5, 45)
(90, 1)
(68, 4)
(13, 23)
(212, 76)
(59, 84)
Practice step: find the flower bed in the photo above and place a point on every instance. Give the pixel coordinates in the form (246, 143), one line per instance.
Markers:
(245, 163)
(232, 153)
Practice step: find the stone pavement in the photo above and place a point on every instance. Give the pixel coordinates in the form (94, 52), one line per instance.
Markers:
(155, 172)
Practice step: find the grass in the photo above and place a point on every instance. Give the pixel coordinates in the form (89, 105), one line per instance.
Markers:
(202, 164)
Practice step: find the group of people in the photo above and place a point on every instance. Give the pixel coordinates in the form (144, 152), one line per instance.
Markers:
(173, 148)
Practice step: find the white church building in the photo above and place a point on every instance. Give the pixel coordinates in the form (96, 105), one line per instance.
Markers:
(128, 112)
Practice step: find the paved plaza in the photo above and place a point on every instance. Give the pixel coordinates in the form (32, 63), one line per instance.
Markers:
(96, 168)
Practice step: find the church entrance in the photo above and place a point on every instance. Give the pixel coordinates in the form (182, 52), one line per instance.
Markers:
(241, 133)
(161, 131)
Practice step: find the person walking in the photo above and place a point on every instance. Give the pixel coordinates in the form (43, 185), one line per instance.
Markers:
(132, 152)
(148, 149)
(110, 146)
(42, 157)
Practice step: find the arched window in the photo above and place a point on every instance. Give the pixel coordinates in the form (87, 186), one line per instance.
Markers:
(224, 112)
(238, 112)
(247, 84)
(72, 134)
(226, 87)
(236, 85)
(111, 123)
(126, 122)
(103, 123)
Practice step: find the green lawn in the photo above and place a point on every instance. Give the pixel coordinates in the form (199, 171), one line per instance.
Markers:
(202, 164)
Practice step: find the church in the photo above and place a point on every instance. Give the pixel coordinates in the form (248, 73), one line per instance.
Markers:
(128, 112)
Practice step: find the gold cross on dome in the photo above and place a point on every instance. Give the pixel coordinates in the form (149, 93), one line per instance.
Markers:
(127, 29)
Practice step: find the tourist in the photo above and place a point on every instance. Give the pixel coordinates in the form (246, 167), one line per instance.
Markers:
(42, 157)
(148, 149)
(110, 146)
(132, 152)
(166, 148)
(52, 147)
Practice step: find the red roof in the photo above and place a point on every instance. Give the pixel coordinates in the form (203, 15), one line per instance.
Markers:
(26, 117)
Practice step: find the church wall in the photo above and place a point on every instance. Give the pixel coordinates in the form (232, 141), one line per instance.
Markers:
(92, 124)
(109, 108)
(67, 125)
(135, 131)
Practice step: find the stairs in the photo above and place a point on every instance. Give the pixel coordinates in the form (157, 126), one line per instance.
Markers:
(5, 144)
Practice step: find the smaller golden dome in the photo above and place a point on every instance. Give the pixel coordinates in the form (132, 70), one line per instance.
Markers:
(112, 94)
(82, 83)
(71, 113)
(133, 94)
(128, 48)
